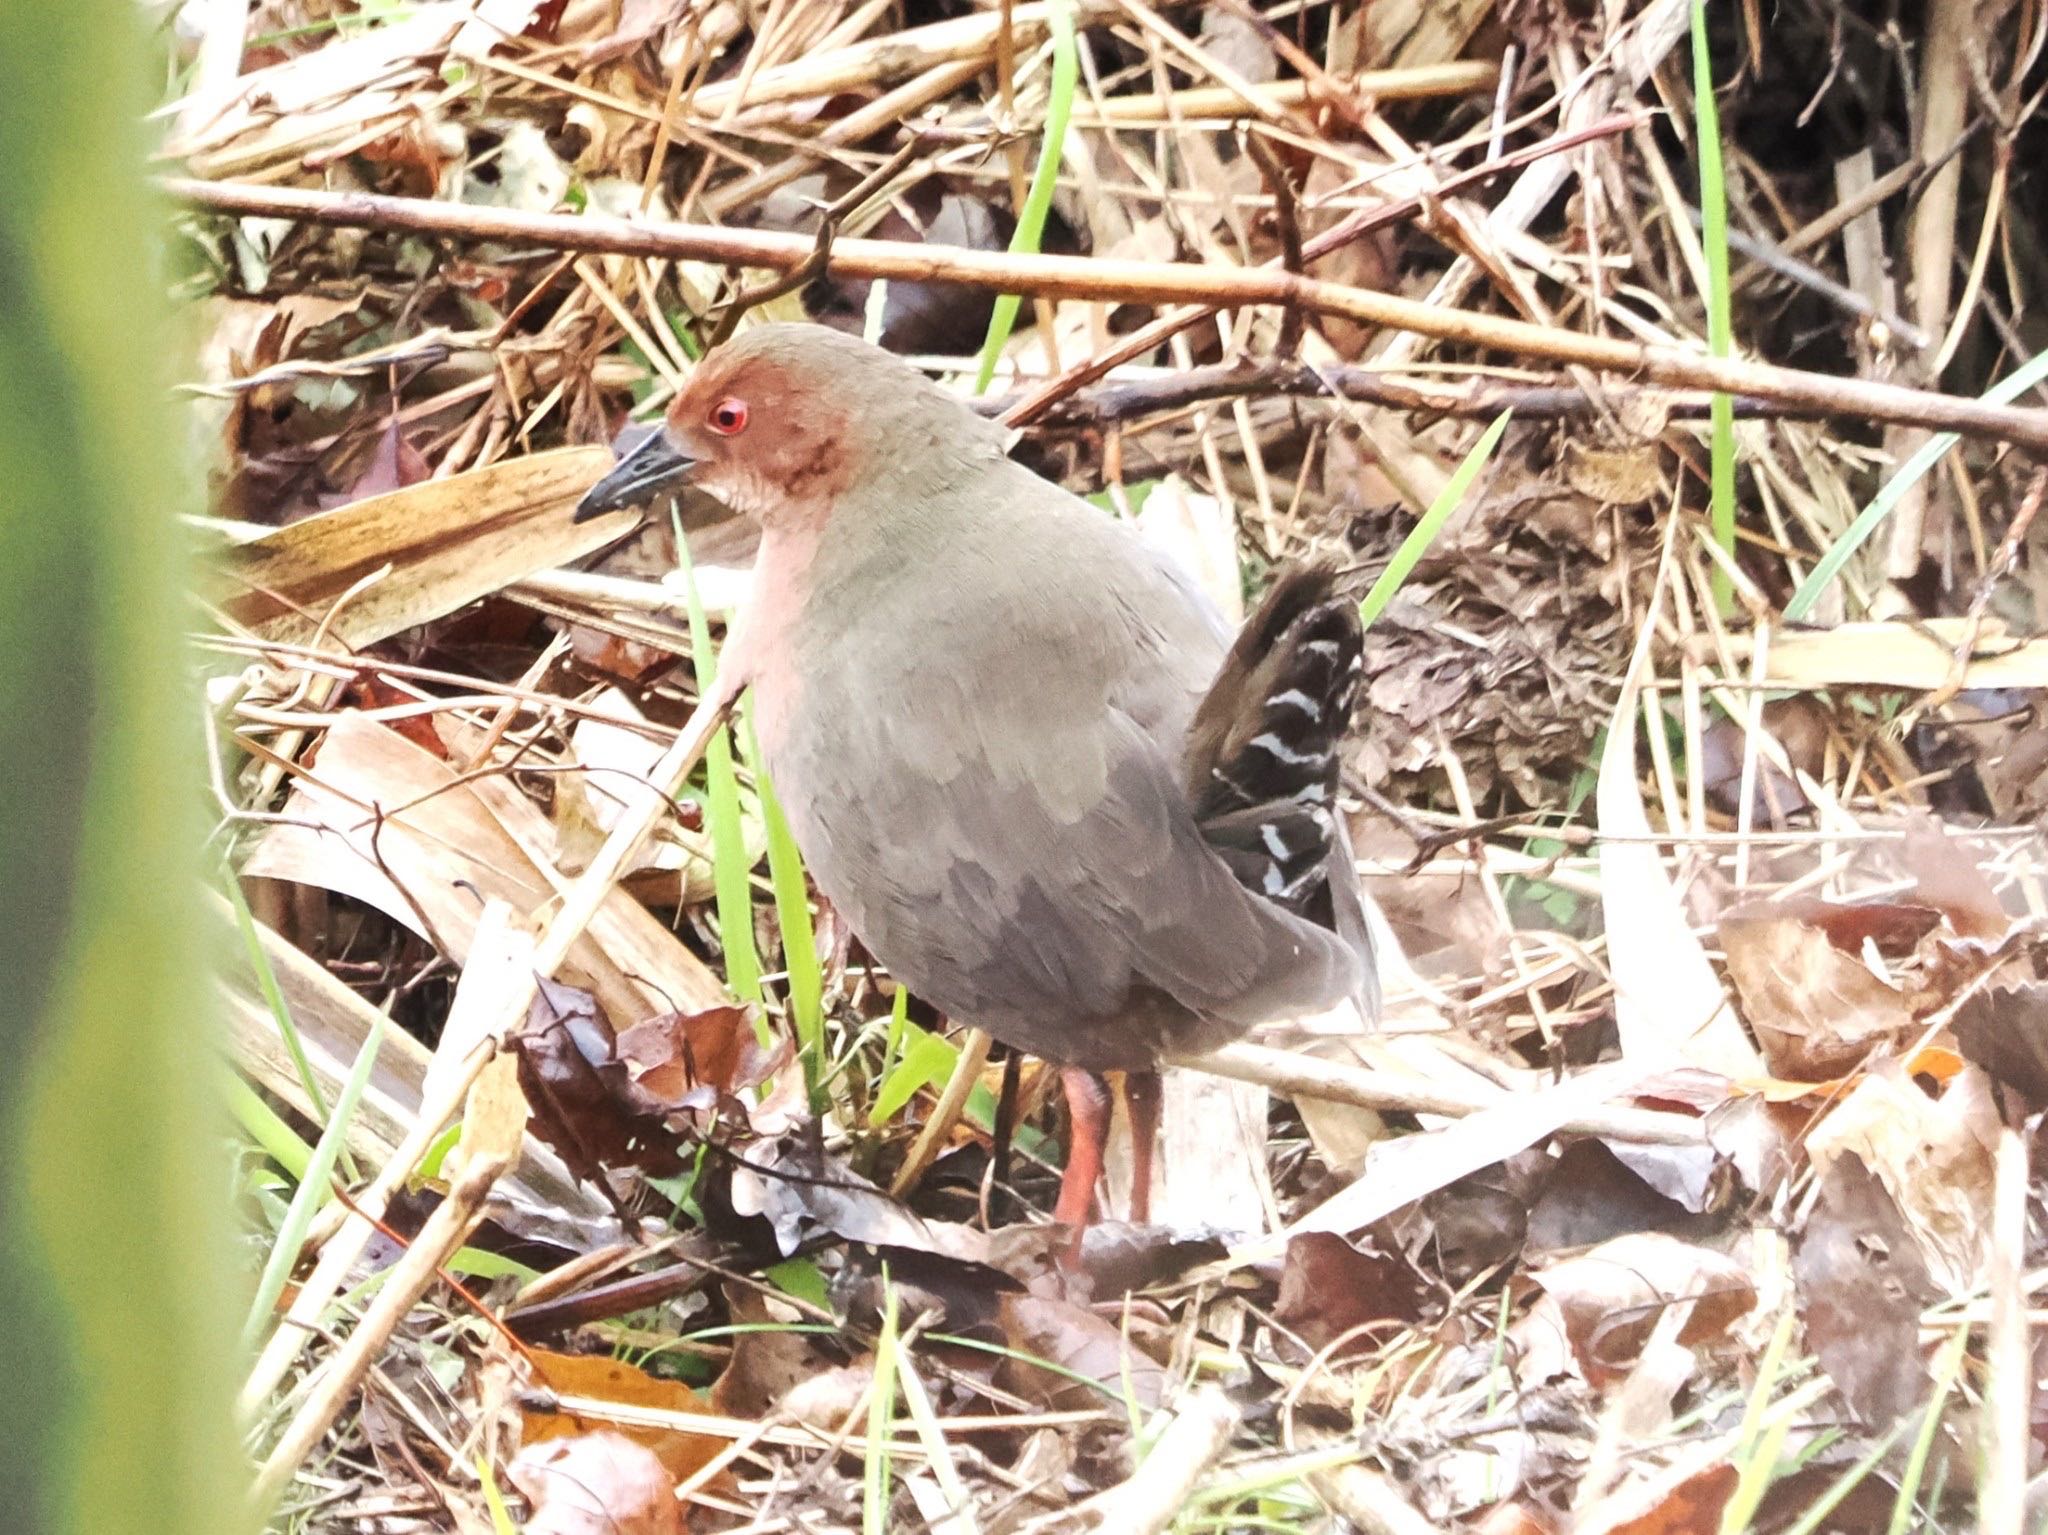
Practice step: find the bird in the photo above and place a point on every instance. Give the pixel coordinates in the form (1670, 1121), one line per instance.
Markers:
(1020, 751)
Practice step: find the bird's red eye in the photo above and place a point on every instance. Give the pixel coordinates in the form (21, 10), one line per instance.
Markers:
(728, 417)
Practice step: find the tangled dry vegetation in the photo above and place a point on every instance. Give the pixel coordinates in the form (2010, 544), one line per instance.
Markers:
(1685, 1183)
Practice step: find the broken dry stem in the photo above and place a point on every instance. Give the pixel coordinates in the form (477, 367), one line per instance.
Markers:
(336, 1381)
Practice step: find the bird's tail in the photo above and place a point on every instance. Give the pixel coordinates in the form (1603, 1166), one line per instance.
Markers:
(1261, 763)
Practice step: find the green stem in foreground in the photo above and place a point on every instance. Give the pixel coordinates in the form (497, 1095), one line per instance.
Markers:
(1720, 330)
(731, 869)
(1066, 72)
(1424, 533)
(1910, 473)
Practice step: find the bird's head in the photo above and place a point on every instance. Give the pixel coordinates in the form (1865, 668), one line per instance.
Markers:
(783, 420)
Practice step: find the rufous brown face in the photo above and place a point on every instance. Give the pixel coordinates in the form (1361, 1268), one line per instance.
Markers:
(764, 431)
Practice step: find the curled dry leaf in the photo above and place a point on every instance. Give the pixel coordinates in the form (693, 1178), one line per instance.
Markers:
(1818, 1012)
(792, 1187)
(1862, 1284)
(1933, 1156)
(579, 1092)
(702, 1061)
(381, 820)
(1685, 1500)
(1592, 1195)
(597, 1484)
(1078, 1343)
(1330, 1289)
(1604, 1304)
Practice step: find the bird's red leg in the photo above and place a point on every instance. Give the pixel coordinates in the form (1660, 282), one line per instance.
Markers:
(1088, 1110)
(1141, 1096)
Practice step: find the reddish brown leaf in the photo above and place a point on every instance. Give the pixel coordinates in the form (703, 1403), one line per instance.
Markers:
(698, 1060)
(580, 1094)
(1896, 927)
(371, 691)
(1692, 1506)
(1329, 1289)
(1609, 1300)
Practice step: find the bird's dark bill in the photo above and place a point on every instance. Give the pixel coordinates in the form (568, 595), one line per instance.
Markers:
(651, 468)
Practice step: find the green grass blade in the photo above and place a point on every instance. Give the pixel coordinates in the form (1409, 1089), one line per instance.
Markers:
(731, 868)
(1066, 74)
(1424, 533)
(1816, 1516)
(2030, 373)
(273, 996)
(874, 1502)
(313, 1190)
(267, 1128)
(1720, 330)
(926, 1060)
(1948, 1364)
(793, 917)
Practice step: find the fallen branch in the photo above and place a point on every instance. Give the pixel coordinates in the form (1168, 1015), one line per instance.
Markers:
(1308, 1076)
(1130, 282)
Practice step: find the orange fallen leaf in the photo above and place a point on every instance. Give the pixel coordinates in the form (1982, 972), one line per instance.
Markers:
(680, 1452)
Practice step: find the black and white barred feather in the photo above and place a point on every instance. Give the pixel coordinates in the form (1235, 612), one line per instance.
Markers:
(1262, 754)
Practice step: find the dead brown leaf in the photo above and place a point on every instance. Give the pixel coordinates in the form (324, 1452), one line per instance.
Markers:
(702, 1061)
(431, 548)
(381, 820)
(1818, 1012)
(1689, 1503)
(1862, 1285)
(1079, 1343)
(1606, 1302)
(1330, 1289)
(596, 1484)
(1932, 1154)
(581, 1098)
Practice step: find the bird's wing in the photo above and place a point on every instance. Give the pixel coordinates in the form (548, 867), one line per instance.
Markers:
(1012, 837)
